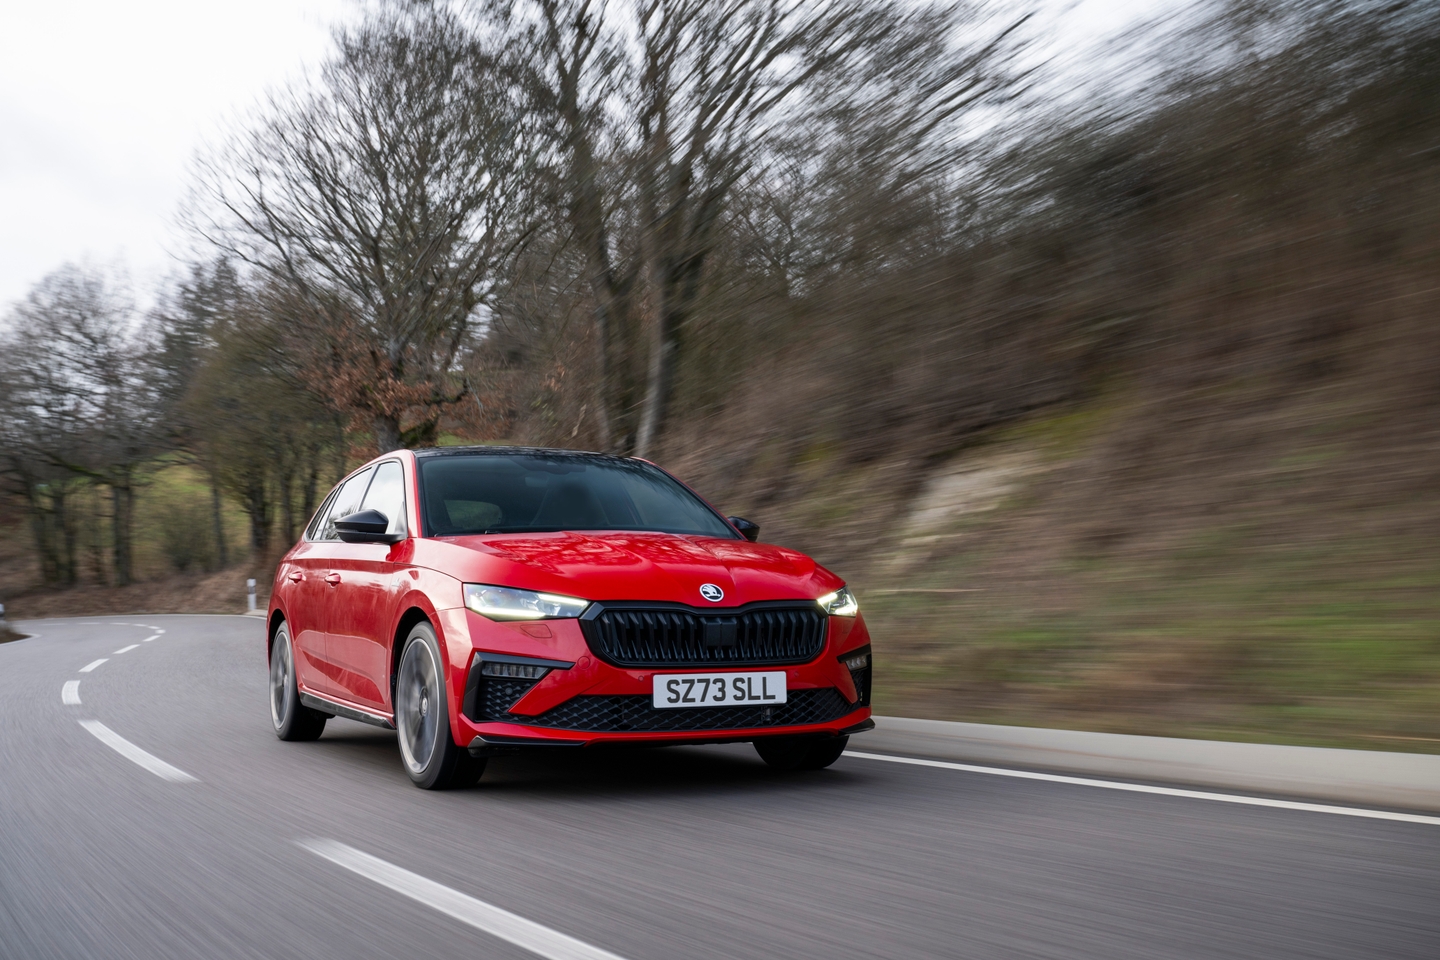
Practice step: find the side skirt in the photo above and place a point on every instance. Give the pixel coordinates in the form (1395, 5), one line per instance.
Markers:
(321, 705)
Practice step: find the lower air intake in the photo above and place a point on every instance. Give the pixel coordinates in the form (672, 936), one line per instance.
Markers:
(614, 714)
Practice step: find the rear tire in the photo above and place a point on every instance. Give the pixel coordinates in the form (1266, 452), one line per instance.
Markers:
(292, 719)
(428, 752)
(800, 753)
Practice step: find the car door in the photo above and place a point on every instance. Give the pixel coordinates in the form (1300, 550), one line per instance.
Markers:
(363, 602)
(325, 580)
(305, 601)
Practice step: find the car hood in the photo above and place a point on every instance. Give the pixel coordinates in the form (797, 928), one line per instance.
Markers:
(634, 566)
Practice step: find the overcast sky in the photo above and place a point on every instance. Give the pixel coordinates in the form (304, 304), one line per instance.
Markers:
(103, 104)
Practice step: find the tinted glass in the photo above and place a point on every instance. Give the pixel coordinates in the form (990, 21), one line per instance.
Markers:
(346, 502)
(387, 494)
(532, 493)
(312, 532)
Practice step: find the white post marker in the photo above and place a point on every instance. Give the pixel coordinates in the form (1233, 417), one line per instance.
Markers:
(135, 755)
(525, 934)
(250, 595)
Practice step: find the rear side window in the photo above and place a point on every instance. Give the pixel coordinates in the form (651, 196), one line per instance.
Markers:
(387, 494)
(347, 501)
(317, 524)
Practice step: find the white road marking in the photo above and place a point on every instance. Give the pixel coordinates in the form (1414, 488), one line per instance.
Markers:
(1160, 791)
(125, 649)
(526, 934)
(70, 693)
(93, 664)
(134, 754)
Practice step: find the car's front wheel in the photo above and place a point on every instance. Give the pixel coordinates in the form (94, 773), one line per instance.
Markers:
(800, 753)
(422, 718)
(292, 719)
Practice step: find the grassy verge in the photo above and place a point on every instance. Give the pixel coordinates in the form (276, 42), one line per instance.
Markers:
(1301, 605)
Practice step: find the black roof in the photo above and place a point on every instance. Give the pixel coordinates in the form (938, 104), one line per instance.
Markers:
(512, 451)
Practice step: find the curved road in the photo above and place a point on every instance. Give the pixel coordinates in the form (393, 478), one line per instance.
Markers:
(147, 811)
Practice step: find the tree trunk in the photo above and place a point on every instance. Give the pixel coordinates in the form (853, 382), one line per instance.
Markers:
(69, 567)
(287, 507)
(44, 536)
(340, 449)
(312, 481)
(217, 518)
(387, 432)
(660, 382)
(122, 499)
(257, 505)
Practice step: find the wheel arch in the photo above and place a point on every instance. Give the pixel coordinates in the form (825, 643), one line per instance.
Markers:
(413, 614)
(276, 618)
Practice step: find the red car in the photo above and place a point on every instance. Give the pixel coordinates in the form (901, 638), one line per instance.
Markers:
(483, 599)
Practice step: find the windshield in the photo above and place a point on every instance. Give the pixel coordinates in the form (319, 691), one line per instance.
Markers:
(531, 493)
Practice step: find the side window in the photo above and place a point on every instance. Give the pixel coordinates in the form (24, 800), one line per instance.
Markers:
(387, 494)
(345, 502)
(317, 523)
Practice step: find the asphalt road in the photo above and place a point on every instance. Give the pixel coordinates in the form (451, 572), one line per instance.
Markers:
(676, 853)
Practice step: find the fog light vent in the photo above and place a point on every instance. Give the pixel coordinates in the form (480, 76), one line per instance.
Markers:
(858, 663)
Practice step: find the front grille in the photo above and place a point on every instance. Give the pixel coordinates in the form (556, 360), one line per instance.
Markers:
(620, 713)
(677, 637)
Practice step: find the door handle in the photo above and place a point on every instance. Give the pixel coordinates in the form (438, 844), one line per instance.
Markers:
(296, 576)
(333, 579)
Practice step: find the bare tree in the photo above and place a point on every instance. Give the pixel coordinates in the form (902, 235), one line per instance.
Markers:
(661, 111)
(81, 405)
(388, 194)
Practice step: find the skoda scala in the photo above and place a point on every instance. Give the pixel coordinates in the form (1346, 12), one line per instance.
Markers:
(479, 600)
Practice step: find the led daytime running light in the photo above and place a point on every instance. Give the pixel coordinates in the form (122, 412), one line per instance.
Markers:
(507, 603)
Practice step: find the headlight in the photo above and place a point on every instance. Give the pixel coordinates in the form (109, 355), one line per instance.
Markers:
(507, 603)
(841, 603)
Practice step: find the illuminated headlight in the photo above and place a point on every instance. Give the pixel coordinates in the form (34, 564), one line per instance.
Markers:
(841, 603)
(507, 603)
(518, 671)
(858, 662)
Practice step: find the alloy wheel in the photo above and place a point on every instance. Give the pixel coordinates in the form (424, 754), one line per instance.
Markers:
(418, 706)
(281, 669)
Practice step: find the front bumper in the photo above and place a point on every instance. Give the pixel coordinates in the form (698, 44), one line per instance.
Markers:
(591, 702)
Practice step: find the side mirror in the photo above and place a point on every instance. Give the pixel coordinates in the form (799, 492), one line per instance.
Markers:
(750, 531)
(367, 526)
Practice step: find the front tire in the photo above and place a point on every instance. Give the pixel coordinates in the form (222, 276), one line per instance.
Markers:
(429, 753)
(292, 719)
(800, 753)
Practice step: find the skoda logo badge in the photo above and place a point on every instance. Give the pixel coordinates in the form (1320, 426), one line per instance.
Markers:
(711, 592)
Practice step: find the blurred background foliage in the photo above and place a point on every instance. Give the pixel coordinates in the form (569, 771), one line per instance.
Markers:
(1113, 393)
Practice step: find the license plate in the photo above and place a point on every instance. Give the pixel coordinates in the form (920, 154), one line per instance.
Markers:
(674, 690)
